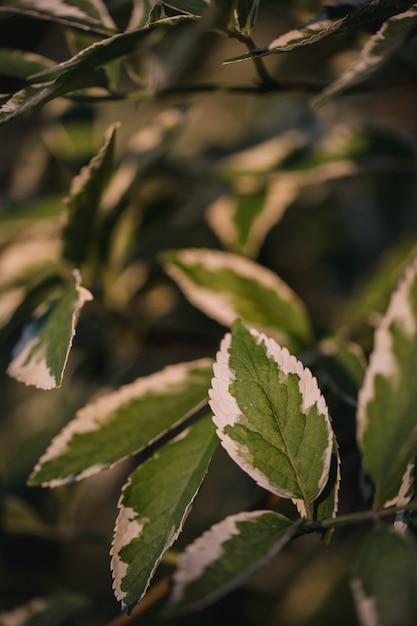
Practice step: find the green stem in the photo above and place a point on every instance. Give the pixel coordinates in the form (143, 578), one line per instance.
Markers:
(360, 517)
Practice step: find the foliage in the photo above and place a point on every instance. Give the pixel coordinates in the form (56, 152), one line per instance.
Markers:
(212, 249)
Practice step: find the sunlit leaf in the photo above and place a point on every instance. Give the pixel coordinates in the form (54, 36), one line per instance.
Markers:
(154, 505)
(226, 286)
(384, 580)
(41, 355)
(123, 422)
(271, 417)
(83, 201)
(377, 51)
(243, 220)
(226, 556)
(86, 14)
(387, 430)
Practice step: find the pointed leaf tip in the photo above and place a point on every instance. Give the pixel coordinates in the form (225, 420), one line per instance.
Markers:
(386, 428)
(225, 556)
(41, 355)
(154, 504)
(271, 416)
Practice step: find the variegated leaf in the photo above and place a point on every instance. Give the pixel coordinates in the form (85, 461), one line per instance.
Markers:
(226, 286)
(377, 51)
(386, 424)
(83, 70)
(91, 15)
(271, 417)
(123, 422)
(84, 198)
(41, 355)
(154, 505)
(242, 221)
(384, 580)
(192, 7)
(226, 556)
(323, 27)
(21, 64)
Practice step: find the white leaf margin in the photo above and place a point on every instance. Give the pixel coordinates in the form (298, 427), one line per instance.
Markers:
(368, 60)
(208, 548)
(218, 305)
(90, 417)
(30, 366)
(382, 361)
(226, 411)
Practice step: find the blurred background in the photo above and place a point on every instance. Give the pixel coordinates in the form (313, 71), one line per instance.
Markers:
(340, 241)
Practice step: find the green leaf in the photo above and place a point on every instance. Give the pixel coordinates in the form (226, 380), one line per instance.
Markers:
(41, 355)
(91, 15)
(377, 51)
(83, 201)
(271, 417)
(226, 286)
(226, 556)
(124, 422)
(154, 505)
(326, 505)
(386, 425)
(192, 7)
(245, 14)
(372, 299)
(243, 220)
(34, 96)
(19, 517)
(21, 64)
(55, 609)
(323, 27)
(80, 71)
(384, 580)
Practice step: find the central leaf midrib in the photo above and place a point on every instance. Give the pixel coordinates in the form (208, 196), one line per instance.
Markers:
(284, 439)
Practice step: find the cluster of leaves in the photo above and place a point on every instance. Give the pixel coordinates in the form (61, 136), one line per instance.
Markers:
(267, 409)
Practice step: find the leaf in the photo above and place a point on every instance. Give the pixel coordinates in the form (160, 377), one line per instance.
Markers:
(386, 425)
(271, 417)
(327, 504)
(41, 355)
(21, 64)
(192, 7)
(384, 580)
(34, 96)
(91, 15)
(323, 27)
(377, 51)
(19, 517)
(80, 71)
(154, 505)
(242, 221)
(84, 198)
(245, 14)
(55, 609)
(227, 555)
(226, 286)
(124, 422)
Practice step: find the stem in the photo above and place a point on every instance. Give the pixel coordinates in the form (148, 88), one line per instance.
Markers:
(370, 515)
(266, 79)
